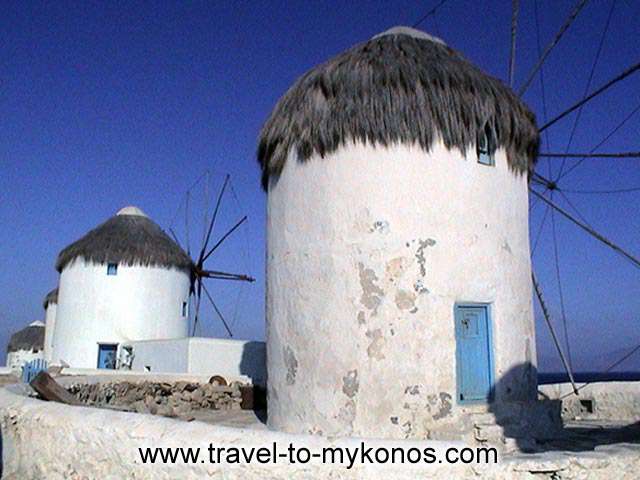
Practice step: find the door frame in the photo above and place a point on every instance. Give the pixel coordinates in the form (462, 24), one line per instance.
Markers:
(107, 344)
(488, 307)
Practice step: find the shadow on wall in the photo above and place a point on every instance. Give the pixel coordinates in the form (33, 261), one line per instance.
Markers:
(253, 362)
(523, 419)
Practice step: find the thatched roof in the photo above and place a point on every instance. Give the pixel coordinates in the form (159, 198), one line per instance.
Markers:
(400, 86)
(51, 297)
(129, 238)
(29, 338)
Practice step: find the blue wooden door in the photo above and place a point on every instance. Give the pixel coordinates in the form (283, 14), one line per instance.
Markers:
(473, 353)
(107, 356)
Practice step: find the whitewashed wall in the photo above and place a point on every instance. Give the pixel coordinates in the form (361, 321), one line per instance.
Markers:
(202, 356)
(139, 303)
(50, 323)
(368, 250)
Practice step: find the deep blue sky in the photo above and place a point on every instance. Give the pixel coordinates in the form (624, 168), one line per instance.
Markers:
(105, 104)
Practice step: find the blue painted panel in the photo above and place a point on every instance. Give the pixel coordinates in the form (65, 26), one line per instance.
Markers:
(473, 353)
(31, 369)
(107, 356)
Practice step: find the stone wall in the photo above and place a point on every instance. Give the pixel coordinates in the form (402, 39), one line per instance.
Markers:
(160, 398)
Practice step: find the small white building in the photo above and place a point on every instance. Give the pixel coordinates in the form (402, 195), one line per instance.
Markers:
(26, 345)
(231, 359)
(125, 280)
(398, 265)
(50, 305)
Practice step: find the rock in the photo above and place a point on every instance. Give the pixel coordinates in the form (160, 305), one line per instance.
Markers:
(140, 407)
(197, 396)
(166, 411)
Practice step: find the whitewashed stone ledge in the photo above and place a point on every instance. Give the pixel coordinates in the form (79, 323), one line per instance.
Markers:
(610, 400)
(43, 440)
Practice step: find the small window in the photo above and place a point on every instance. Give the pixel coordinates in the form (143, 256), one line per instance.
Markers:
(486, 147)
(112, 269)
(185, 309)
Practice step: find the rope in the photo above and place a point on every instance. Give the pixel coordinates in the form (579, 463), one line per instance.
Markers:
(588, 229)
(544, 219)
(566, 199)
(576, 119)
(542, 86)
(606, 370)
(556, 255)
(604, 140)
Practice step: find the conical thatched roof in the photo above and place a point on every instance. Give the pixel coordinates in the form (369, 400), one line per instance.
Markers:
(129, 238)
(400, 86)
(29, 338)
(51, 297)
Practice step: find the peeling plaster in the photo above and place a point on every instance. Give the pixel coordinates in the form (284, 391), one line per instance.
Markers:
(350, 383)
(377, 344)
(371, 293)
(347, 414)
(405, 300)
(291, 363)
(395, 268)
(423, 244)
(419, 287)
(412, 390)
(381, 226)
(444, 401)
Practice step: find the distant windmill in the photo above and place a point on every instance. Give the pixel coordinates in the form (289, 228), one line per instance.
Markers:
(199, 270)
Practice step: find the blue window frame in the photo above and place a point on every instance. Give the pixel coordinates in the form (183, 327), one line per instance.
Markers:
(112, 268)
(107, 355)
(485, 147)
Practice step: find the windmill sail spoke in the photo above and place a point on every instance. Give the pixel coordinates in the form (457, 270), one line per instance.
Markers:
(186, 224)
(592, 155)
(622, 76)
(215, 307)
(515, 7)
(574, 13)
(198, 298)
(227, 276)
(201, 257)
(224, 237)
(206, 205)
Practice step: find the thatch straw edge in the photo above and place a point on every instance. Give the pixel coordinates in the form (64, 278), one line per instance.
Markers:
(29, 338)
(396, 89)
(127, 240)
